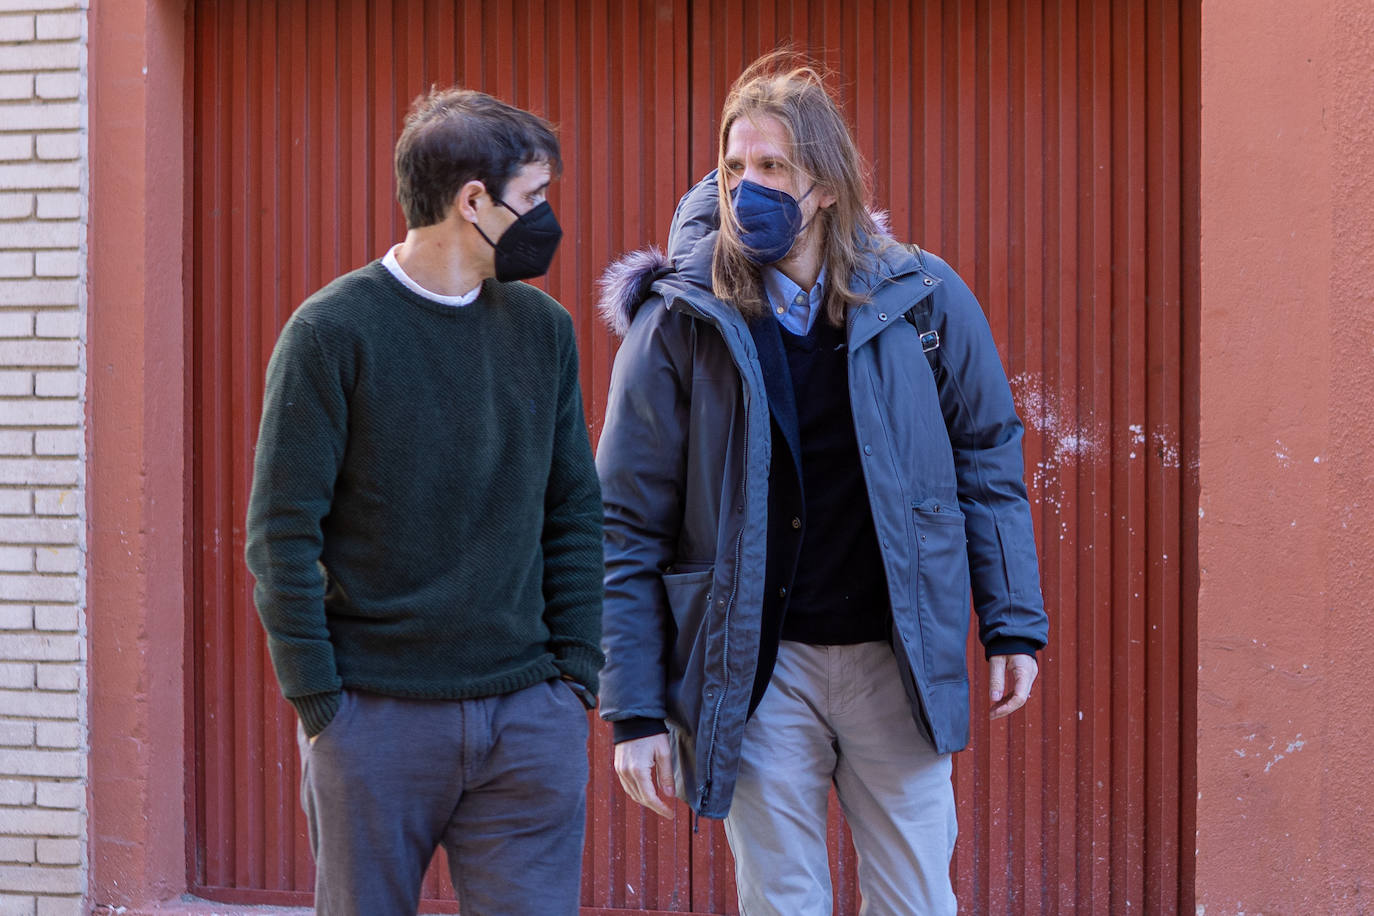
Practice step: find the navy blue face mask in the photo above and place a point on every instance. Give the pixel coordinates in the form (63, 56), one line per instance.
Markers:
(769, 220)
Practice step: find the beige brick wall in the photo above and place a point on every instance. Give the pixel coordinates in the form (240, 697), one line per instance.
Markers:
(42, 457)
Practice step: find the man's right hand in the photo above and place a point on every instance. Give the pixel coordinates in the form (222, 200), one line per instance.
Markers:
(637, 763)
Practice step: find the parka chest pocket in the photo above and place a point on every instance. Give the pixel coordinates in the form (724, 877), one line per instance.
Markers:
(688, 595)
(942, 589)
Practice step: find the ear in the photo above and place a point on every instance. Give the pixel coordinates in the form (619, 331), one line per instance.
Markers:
(465, 201)
(825, 198)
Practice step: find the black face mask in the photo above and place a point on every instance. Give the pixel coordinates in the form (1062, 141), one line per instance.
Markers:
(526, 248)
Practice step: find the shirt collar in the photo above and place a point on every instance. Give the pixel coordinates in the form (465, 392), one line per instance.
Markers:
(794, 308)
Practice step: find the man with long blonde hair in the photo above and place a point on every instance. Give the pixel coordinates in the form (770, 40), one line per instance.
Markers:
(810, 455)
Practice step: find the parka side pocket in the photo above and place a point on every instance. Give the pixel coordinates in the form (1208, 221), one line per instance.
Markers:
(689, 598)
(942, 590)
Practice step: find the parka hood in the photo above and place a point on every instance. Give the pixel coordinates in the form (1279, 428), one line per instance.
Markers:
(628, 282)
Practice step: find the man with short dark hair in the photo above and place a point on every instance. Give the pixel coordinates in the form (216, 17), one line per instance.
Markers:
(810, 451)
(425, 530)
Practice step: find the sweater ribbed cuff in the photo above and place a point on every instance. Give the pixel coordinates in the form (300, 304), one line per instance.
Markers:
(316, 710)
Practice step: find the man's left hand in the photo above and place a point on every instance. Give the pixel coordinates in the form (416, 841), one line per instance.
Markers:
(1021, 669)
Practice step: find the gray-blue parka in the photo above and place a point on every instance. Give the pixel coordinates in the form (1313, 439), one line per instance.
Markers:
(684, 457)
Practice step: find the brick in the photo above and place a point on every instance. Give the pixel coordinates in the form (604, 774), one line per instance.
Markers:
(16, 86)
(38, 471)
(39, 647)
(16, 384)
(16, 264)
(45, 233)
(15, 849)
(16, 353)
(16, 28)
(58, 147)
(16, 442)
(17, 792)
(17, 147)
(31, 57)
(58, 677)
(57, 264)
(61, 795)
(56, 502)
(16, 502)
(18, 734)
(57, 617)
(60, 324)
(57, 560)
(20, 587)
(40, 530)
(57, 86)
(40, 413)
(16, 324)
(37, 5)
(15, 676)
(61, 906)
(16, 206)
(47, 175)
(16, 906)
(41, 763)
(57, 384)
(59, 26)
(57, 206)
(41, 706)
(58, 734)
(59, 852)
(16, 617)
(39, 292)
(58, 442)
(36, 879)
(16, 559)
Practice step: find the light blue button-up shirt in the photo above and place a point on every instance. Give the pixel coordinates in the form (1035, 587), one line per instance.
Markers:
(795, 308)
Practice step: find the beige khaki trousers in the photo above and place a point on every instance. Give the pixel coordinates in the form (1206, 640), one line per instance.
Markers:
(839, 715)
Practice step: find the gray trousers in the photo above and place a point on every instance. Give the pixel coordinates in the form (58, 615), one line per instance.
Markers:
(499, 781)
(839, 715)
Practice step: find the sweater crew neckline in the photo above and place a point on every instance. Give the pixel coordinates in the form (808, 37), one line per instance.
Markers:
(384, 276)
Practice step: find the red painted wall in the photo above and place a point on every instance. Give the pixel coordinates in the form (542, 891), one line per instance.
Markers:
(1286, 534)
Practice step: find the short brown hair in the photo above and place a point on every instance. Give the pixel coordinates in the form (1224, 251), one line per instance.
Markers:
(453, 136)
(786, 86)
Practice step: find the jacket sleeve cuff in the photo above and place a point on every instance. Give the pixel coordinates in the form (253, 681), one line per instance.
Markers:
(630, 729)
(1012, 645)
(316, 710)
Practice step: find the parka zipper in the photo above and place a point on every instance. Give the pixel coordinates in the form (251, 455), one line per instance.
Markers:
(705, 793)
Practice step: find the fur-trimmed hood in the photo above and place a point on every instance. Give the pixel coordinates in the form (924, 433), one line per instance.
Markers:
(628, 282)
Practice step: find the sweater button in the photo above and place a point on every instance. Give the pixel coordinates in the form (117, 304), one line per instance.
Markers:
(868, 449)
(796, 523)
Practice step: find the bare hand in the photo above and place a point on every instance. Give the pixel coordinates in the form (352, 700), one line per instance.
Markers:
(1023, 670)
(637, 762)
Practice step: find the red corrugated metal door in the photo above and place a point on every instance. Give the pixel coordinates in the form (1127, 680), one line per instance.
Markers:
(1046, 148)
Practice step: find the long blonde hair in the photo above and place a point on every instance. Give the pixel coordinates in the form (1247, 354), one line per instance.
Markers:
(784, 86)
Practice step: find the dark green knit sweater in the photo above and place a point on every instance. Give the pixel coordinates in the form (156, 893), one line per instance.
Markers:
(425, 518)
